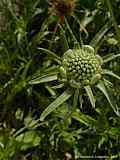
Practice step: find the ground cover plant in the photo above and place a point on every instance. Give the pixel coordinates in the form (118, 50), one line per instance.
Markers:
(59, 79)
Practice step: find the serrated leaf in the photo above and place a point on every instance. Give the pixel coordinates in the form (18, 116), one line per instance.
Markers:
(56, 103)
(90, 95)
(103, 89)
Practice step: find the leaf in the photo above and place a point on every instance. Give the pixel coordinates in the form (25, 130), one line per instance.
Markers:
(61, 99)
(66, 46)
(50, 90)
(103, 139)
(44, 79)
(85, 119)
(45, 75)
(107, 83)
(90, 95)
(26, 69)
(76, 96)
(52, 54)
(28, 139)
(76, 44)
(110, 57)
(114, 131)
(113, 19)
(103, 89)
(95, 42)
(111, 74)
(45, 71)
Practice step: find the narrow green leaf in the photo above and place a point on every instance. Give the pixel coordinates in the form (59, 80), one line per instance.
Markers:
(27, 138)
(103, 139)
(95, 42)
(52, 54)
(66, 46)
(110, 57)
(103, 89)
(58, 86)
(85, 119)
(76, 43)
(61, 99)
(26, 69)
(112, 17)
(114, 131)
(50, 90)
(18, 72)
(76, 96)
(46, 71)
(81, 100)
(44, 79)
(110, 73)
(107, 83)
(90, 95)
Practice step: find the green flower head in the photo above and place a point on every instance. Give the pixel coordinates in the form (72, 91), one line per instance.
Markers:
(81, 66)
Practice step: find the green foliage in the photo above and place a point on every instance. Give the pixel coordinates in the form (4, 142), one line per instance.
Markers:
(58, 98)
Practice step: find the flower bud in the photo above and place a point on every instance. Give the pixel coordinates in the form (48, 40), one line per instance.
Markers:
(82, 65)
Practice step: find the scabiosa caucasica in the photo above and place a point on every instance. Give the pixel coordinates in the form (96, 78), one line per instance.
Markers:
(61, 7)
(81, 66)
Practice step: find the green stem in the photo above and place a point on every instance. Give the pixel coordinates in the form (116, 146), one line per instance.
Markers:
(66, 46)
(80, 36)
(54, 34)
(76, 44)
(114, 21)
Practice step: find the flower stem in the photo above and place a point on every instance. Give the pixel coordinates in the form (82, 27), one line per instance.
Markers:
(114, 21)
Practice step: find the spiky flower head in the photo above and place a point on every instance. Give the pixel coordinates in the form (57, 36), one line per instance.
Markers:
(82, 66)
(61, 7)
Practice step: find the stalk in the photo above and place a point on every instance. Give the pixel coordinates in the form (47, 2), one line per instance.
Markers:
(114, 21)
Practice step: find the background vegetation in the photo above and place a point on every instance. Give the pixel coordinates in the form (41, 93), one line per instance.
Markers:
(41, 116)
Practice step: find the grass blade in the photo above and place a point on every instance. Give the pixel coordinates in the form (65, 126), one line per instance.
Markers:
(66, 46)
(24, 74)
(110, 58)
(97, 38)
(51, 54)
(103, 89)
(113, 21)
(61, 99)
(85, 119)
(110, 73)
(75, 100)
(44, 79)
(90, 95)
